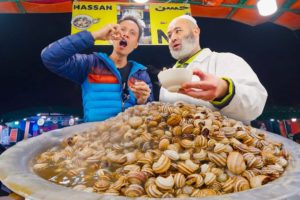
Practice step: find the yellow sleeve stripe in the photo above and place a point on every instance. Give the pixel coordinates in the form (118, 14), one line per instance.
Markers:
(220, 103)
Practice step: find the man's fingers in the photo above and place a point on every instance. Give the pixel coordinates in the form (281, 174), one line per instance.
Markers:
(142, 93)
(141, 85)
(204, 95)
(117, 28)
(115, 32)
(199, 73)
(116, 36)
(203, 85)
(191, 85)
(142, 88)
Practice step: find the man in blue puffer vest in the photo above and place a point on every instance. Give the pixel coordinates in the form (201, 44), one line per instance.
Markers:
(110, 84)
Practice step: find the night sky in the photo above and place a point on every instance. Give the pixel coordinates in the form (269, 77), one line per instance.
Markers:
(272, 51)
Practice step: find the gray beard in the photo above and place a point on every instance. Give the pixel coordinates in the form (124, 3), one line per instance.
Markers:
(188, 44)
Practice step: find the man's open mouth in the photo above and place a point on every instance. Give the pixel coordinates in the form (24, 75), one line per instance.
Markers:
(175, 45)
(123, 43)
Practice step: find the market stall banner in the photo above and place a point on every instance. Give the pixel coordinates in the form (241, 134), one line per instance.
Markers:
(26, 131)
(160, 17)
(154, 17)
(13, 135)
(5, 136)
(1, 127)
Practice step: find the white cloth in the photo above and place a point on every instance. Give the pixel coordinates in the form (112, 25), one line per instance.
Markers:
(250, 95)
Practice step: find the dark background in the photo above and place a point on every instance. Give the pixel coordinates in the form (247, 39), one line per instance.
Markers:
(272, 51)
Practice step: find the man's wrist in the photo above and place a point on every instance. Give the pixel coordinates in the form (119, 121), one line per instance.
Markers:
(95, 35)
(142, 100)
(224, 89)
(225, 100)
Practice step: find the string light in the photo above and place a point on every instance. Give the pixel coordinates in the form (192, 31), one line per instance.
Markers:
(266, 7)
(141, 1)
(294, 119)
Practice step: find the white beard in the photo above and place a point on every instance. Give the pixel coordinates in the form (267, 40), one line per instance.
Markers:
(188, 44)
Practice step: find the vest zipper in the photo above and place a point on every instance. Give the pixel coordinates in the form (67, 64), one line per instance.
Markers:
(125, 97)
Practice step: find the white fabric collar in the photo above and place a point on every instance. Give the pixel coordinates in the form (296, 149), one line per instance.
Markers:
(203, 54)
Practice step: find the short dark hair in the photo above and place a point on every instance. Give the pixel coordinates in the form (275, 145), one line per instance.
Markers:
(135, 20)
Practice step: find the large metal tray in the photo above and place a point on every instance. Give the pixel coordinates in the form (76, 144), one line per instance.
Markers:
(16, 172)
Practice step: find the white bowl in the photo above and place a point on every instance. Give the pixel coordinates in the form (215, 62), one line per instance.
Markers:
(172, 79)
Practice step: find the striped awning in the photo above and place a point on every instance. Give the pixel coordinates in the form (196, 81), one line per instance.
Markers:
(244, 11)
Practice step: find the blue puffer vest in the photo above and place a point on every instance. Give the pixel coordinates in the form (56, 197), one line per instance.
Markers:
(104, 99)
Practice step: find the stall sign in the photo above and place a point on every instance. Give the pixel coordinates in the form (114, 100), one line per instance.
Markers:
(161, 15)
(5, 136)
(13, 135)
(26, 131)
(93, 16)
(1, 127)
(155, 18)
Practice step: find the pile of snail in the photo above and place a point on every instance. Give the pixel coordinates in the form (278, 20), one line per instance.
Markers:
(165, 150)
